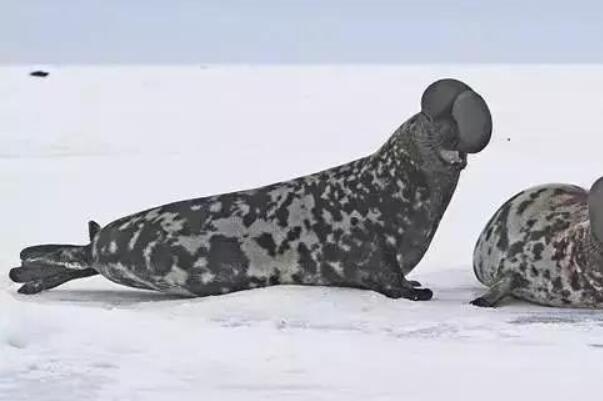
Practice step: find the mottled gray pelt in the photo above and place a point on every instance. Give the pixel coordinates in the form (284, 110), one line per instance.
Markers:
(543, 245)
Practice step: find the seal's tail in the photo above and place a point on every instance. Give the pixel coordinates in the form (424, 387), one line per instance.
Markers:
(48, 266)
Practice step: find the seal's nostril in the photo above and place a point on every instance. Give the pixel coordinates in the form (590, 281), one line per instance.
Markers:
(473, 120)
(438, 98)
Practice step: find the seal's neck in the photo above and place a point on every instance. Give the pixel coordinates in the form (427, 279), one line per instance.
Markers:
(419, 142)
(593, 254)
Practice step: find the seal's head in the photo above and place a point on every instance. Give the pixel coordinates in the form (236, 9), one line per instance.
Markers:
(595, 210)
(458, 121)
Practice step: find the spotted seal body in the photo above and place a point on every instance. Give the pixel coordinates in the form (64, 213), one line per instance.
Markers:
(541, 246)
(365, 224)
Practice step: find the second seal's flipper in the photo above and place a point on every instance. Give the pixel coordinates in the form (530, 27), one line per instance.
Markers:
(501, 289)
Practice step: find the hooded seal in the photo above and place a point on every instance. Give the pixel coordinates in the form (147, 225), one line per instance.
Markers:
(365, 224)
(544, 245)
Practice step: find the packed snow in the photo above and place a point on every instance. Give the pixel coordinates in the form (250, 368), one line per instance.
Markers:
(102, 142)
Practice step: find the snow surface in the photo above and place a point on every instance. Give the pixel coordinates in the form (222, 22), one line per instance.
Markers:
(91, 142)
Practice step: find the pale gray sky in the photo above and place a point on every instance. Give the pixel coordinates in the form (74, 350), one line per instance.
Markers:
(299, 31)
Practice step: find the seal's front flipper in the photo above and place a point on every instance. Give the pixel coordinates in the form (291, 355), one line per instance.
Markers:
(408, 290)
(414, 294)
(501, 289)
(417, 294)
(392, 282)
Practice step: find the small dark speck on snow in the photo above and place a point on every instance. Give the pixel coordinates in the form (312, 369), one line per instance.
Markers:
(39, 74)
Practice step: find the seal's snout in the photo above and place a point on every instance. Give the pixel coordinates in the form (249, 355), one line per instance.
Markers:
(473, 120)
(449, 98)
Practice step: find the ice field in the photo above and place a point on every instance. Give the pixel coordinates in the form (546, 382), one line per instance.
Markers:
(102, 142)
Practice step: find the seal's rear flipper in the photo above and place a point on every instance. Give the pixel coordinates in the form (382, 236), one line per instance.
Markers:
(35, 286)
(47, 266)
(93, 229)
(61, 255)
(26, 273)
(39, 251)
(501, 289)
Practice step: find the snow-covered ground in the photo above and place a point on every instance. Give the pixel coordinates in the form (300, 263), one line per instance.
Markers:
(91, 142)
